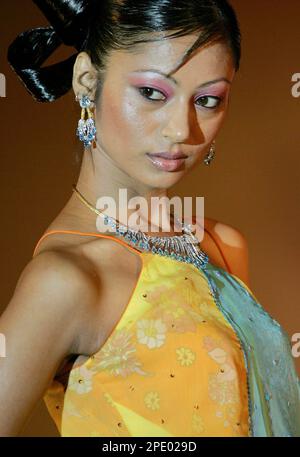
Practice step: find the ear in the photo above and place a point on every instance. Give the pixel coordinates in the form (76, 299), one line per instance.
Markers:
(84, 76)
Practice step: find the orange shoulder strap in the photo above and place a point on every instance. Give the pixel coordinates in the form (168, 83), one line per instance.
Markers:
(120, 241)
(77, 232)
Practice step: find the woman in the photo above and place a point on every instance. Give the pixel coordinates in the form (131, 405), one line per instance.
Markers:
(180, 347)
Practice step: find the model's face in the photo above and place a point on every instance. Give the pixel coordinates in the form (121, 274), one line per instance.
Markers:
(142, 111)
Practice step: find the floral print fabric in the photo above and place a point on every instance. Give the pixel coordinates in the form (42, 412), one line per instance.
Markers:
(172, 366)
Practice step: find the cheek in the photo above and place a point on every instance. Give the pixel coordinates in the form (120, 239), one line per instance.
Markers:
(112, 118)
(212, 127)
(120, 122)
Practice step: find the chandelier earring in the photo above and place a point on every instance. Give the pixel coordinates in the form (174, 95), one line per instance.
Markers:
(210, 155)
(86, 129)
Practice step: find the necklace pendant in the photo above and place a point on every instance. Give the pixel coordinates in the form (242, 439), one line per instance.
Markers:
(184, 248)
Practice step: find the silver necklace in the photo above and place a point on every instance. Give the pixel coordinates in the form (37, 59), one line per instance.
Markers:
(185, 248)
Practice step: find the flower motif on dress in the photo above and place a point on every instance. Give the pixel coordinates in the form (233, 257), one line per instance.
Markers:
(209, 343)
(164, 297)
(196, 316)
(174, 306)
(151, 332)
(221, 391)
(154, 296)
(118, 356)
(229, 417)
(179, 323)
(185, 356)
(219, 355)
(222, 387)
(152, 400)
(80, 380)
(178, 318)
(226, 373)
(232, 411)
(69, 408)
(109, 399)
(197, 422)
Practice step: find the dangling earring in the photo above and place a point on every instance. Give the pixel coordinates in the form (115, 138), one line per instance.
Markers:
(86, 130)
(210, 155)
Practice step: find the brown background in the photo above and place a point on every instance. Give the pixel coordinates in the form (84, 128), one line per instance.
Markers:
(253, 183)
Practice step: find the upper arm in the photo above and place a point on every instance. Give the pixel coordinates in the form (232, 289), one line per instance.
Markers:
(41, 325)
(235, 249)
(230, 247)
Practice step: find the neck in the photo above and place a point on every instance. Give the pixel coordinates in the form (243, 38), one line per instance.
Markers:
(101, 177)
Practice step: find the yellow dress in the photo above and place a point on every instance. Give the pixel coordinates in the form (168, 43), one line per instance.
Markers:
(172, 366)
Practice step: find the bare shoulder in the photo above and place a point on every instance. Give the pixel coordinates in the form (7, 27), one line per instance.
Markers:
(62, 287)
(233, 245)
(229, 235)
(42, 325)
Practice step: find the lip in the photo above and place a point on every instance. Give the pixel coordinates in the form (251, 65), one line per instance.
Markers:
(167, 164)
(167, 155)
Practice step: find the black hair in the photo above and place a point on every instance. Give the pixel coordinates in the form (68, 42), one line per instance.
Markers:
(99, 26)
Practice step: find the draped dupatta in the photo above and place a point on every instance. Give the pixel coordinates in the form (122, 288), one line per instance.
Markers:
(273, 383)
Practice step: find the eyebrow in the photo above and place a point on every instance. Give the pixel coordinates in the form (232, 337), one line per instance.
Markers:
(207, 83)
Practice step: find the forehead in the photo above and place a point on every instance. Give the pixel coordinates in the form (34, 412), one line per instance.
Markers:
(208, 61)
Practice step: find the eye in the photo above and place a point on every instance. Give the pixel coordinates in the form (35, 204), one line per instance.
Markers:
(210, 101)
(147, 91)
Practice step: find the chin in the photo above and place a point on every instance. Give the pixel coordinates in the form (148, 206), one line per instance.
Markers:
(163, 180)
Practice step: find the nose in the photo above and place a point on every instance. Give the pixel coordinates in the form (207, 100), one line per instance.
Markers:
(177, 129)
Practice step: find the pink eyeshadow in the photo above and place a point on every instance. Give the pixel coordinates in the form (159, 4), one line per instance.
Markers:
(152, 82)
(217, 91)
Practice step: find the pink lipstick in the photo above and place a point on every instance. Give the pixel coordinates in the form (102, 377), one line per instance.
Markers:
(166, 161)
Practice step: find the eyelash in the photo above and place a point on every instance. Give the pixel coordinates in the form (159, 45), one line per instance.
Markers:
(219, 99)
